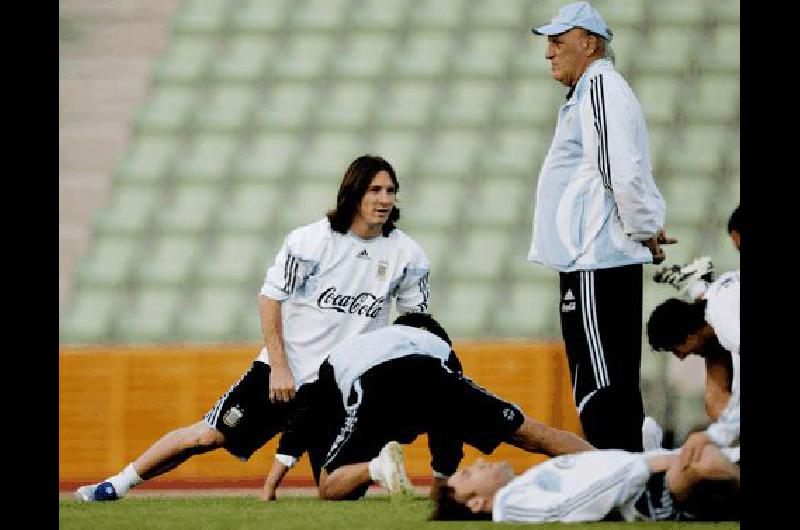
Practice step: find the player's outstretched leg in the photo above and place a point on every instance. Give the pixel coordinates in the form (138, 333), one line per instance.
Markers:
(167, 453)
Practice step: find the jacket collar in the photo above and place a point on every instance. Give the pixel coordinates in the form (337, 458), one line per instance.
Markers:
(594, 67)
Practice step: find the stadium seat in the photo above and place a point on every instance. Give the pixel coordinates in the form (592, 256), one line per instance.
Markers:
(531, 101)
(523, 271)
(624, 16)
(128, 210)
(213, 317)
(678, 12)
(380, 15)
(430, 202)
(465, 311)
(715, 100)
(451, 154)
(725, 11)
(721, 55)
(200, 16)
(250, 208)
(364, 56)
(185, 60)
(190, 210)
(514, 151)
(227, 109)
(259, 16)
(661, 139)
(496, 202)
(437, 13)
(147, 159)
(529, 311)
(436, 245)
(319, 15)
(468, 103)
(424, 54)
(484, 54)
(167, 110)
(400, 149)
(700, 149)
(305, 57)
(482, 255)
(286, 106)
(170, 261)
(667, 50)
(243, 59)
(268, 157)
(108, 261)
(308, 203)
(690, 241)
(207, 158)
(238, 259)
(88, 317)
(688, 197)
(724, 254)
(148, 316)
(500, 14)
(347, 105)
(528, 59)
(408, 104)
(329, 155)
(658, 96)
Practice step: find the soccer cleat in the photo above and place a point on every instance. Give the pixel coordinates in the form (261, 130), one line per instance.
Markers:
(652, 434)
(103, 491)
(392, 470)
(682, 277)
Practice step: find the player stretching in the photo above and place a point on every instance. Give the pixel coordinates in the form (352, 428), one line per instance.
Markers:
(331, 280)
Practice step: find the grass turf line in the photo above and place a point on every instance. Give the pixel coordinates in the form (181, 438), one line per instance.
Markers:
(292, 513)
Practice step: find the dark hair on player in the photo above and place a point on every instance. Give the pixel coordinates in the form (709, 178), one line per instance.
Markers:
(423, 321)
(354, 186)
(735, 220)
(674, 320)
(447, 508)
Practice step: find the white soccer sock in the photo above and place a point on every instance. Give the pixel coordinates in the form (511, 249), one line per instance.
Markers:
(375, 470)
(125, 480)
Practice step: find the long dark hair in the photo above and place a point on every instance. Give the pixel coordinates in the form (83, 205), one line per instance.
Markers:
(354, 186)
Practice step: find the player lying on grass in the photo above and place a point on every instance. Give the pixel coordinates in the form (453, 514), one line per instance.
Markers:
(401, 381)
(607, 484)
(332, 279)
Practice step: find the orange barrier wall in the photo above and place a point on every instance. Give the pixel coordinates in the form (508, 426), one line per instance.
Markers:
(115, 402)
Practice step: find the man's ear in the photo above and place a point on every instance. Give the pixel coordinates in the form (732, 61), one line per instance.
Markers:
(476, 504)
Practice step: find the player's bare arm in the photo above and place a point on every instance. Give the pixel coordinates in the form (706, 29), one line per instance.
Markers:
(718, 391)
(274, 478)
(281, 381)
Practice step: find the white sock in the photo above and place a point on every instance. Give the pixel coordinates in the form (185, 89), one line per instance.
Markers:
(125, 480)
(375, 470)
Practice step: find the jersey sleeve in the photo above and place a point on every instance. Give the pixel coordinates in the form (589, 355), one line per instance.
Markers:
(295, 262)
(611, 121)
(413, 290)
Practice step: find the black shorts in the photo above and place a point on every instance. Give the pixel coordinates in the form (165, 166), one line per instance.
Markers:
(245, 415)
(405, 397)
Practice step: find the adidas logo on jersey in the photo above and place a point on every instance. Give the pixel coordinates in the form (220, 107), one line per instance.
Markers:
(569, 296)
(363, 254)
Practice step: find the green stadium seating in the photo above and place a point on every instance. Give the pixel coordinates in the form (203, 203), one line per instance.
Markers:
(304, 57)
(88, 318)
(529, 311)
(243, 59)
(308, 204)
(148, 316)
(238, 259)
(716, 99)
(408, 104)
(207, 158)
(721, 54)
(451, 153)
(497, 202)
(622, 17)
(468, 103)
(200, 16)
(659, 96)
(528, 60)
(347, 105)
(190, 211)
(437, 13)
(329, 155)
(482, 255)
(228, 108)
(532, 102)
(185, 61)
(147, 159)
(430, 203)
(167, 110)
(485, 53)
(514, 151)
(128, 210)
(399, 148)
(108, 261)
(724, 11)
(319, 15)
(425, 54)
(700, 149)
(501, 14)
(678, 12)
(259, 16)
(466, 308)
(380, 15)
(676, 191)
(268, 157)
(213, 317)
(170, 261)
(250, 208)
(364, 56)
(435, 243)
(286, 106)
(667, 50)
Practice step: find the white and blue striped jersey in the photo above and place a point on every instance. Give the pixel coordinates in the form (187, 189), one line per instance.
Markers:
(335, 286)
(596, 199)
(352, 358)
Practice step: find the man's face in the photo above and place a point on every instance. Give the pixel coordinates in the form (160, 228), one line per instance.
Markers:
(377, 202)
(476, 484)
(568, 55)
(693, 344)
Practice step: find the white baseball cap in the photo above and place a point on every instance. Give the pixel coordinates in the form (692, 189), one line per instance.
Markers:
(576, 15)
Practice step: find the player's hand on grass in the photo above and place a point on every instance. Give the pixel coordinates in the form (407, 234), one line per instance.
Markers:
(692, 450)
(281, 384)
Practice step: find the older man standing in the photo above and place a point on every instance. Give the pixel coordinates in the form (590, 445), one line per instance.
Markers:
(598, 218)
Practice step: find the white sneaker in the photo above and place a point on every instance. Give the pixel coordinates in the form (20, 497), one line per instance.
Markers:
(652, 435)
(103, 491)
(392, 470)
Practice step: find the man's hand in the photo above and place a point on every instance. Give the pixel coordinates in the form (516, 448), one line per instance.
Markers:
(654, 244)
(281, 385)
(692, 450)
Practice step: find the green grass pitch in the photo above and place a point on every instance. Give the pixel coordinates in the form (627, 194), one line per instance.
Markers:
(373, 512)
